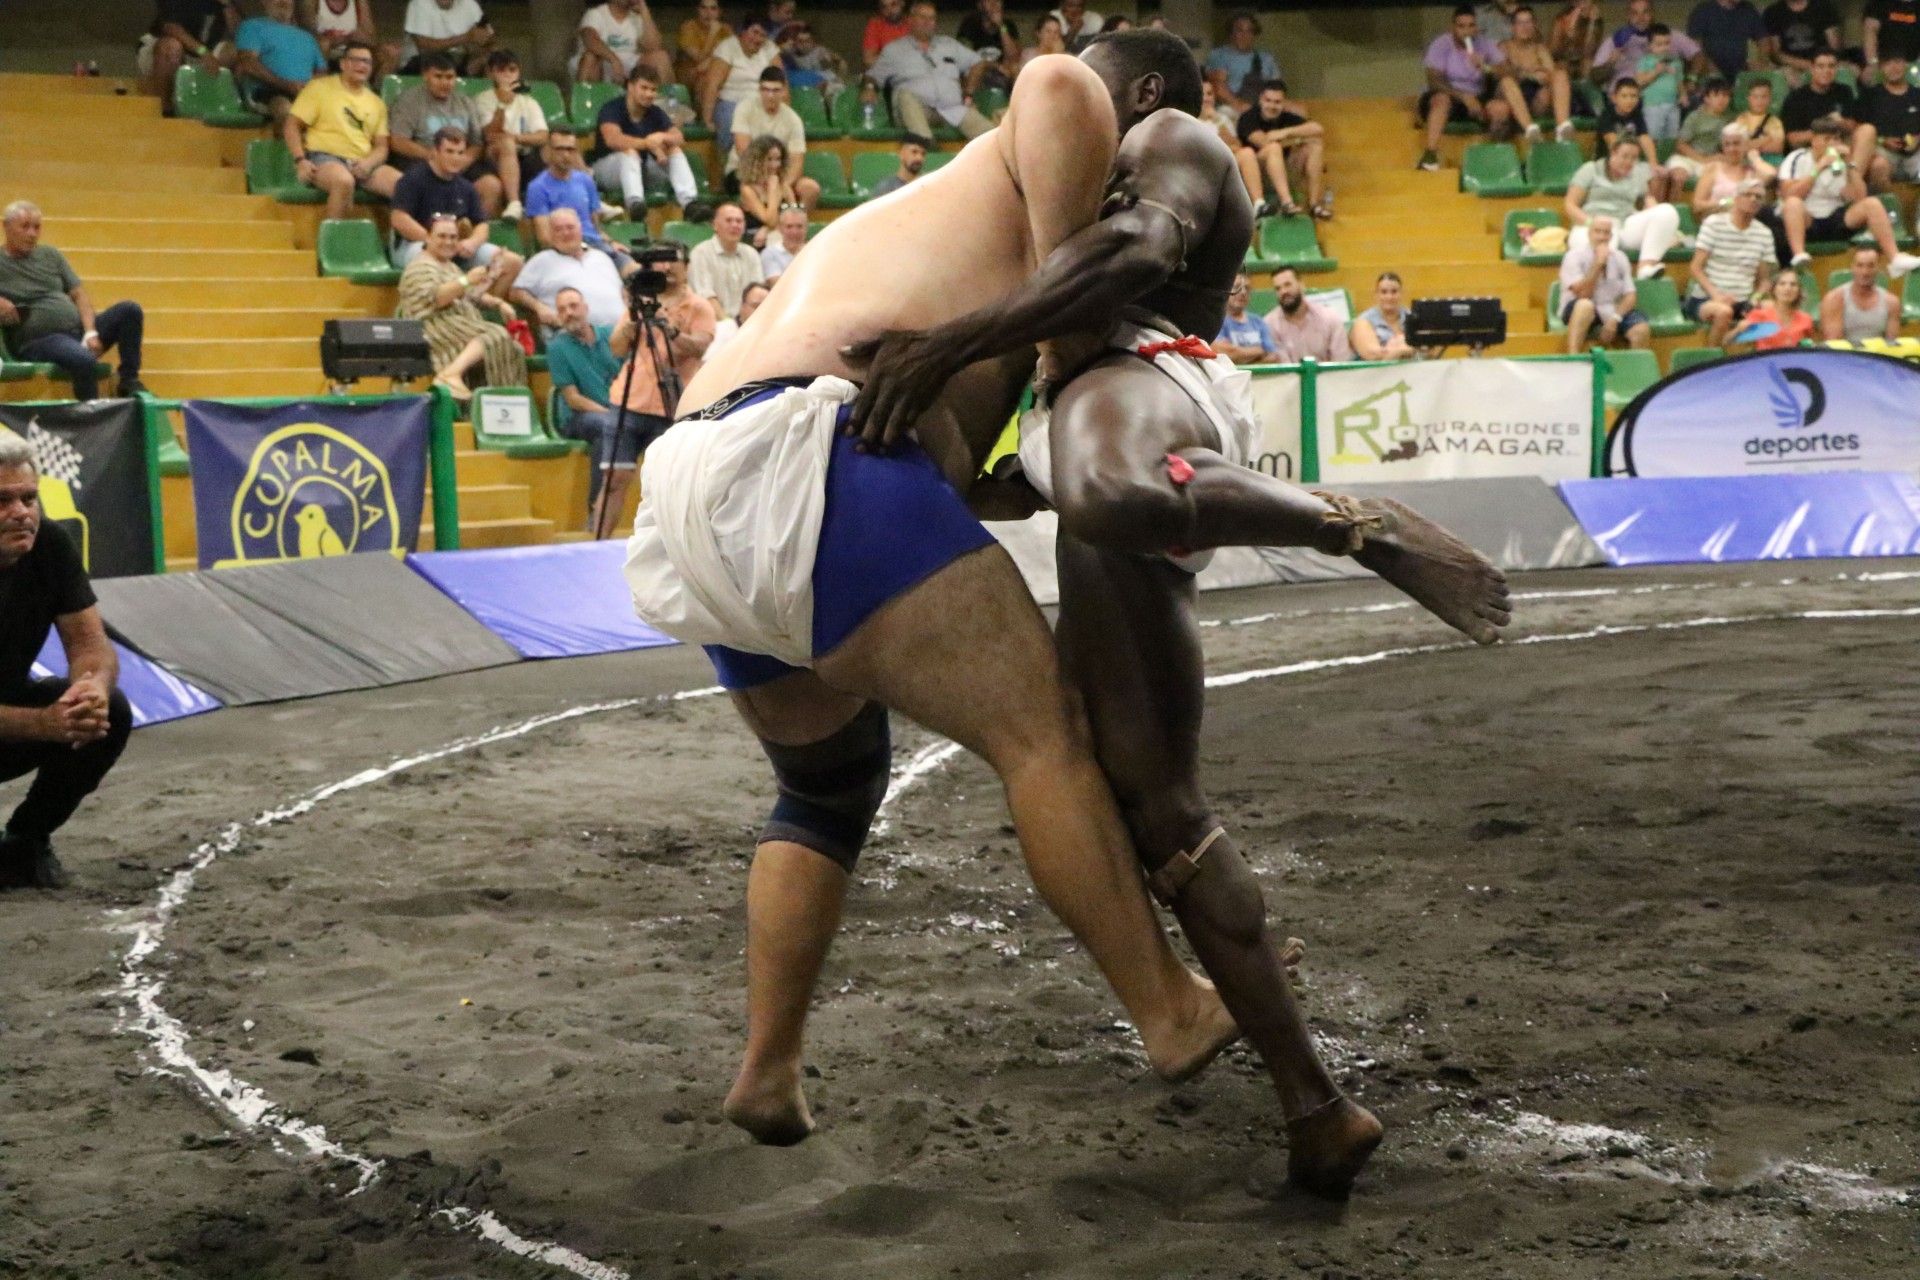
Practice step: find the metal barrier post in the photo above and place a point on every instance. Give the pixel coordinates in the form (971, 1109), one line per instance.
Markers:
(1309, 421)
(1597, 434)
(446, 481)
(154, 419)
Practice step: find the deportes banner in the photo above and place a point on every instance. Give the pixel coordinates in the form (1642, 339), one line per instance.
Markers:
(1454, 419)
(1801, 409)
(1276, 406)
(303, 480)
(92, 460)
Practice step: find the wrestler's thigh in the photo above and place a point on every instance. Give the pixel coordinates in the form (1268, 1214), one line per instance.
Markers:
(1129, 644)
(964, 424)
(1119, 420)
(967, 654)
(795, 710)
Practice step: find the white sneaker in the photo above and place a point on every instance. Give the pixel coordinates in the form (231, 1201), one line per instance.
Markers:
(1902, 264)
(1800, 260)
(612, 212)
(1648, 270)
(1533, 132)
(513, 212)
(1563, 132)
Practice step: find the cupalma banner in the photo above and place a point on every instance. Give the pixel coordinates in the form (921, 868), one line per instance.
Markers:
(300, 480)
(92, 460)
(1453, 419)
(1276, 406)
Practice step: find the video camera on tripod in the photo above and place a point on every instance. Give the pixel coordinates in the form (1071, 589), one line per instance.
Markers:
(645, 286)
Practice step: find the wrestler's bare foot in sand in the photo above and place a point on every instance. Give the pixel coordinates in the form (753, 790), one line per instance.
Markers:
(770, 1105)
(1327, 1148)
(1454, 582)
(1181, 1051)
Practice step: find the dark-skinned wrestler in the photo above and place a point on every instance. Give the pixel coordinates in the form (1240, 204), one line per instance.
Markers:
(1131, 455)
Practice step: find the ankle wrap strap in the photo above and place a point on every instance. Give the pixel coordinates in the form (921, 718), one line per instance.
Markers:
(1166, 883)
(1344, 530)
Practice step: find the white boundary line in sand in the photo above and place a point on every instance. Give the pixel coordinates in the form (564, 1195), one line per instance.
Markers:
(248, 1108)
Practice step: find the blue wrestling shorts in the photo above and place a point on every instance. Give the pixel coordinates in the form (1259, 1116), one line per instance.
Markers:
(891, 520)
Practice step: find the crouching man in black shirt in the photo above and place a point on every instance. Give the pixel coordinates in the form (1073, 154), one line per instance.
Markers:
(67, 733)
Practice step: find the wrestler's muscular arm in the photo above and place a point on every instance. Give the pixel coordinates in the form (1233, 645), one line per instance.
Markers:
(1081, 286)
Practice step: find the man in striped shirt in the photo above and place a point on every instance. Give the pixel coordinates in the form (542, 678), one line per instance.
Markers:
(1731, 262)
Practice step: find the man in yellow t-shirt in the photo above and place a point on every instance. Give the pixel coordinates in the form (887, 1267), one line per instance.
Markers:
(337, 132)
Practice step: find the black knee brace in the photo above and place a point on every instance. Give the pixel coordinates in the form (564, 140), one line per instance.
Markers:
(831, 789)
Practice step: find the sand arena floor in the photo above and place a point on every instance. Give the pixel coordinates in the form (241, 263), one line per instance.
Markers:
(1615, 927)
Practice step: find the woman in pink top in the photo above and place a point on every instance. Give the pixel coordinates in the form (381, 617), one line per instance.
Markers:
(1738, 160)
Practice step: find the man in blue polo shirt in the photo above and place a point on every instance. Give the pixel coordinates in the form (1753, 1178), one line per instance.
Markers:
(563, 184)
(277, 58)
(1244, 338)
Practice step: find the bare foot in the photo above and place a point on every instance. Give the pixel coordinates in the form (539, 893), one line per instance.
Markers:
(455, 387)
(1454, 582)
(1185, 1051)
(1327, 1148)
(771, 1106)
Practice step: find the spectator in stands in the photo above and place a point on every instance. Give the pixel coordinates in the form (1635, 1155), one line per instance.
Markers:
(1622, 120)
(1730, 33)
(1797, 30)
(436, 103)
(721, 268)
(615, 37)
(733, 76)
(274, 59)
(1861, 308)
(781, 251)
(582, 363)
(1243, 339)
(810, 64)
(1823, 197)
(1822, 95)
(1047, 38)
(570, 264)
(768, 115)
(1620, 53)
(49, 318)
(1731, 261)
(456, 28)
(1758, 119)
(439, 187)
(913, 158)
(1596, 286)
(337, 132)
(198, 29)
(1496, 19)
(764, 190)
(1891, 136)
(1738, 160)
(1699, 140)
(991, 34)
(1783, 307)
(1461, 72)
(699, 36)
(1380, 332)
(1279, 136)
(446, 300)
(1236, 69)
(633, 137)
(1223, 122)
(1660, 76)
(1301, 329)
(724, 332)
(683, 334)
(66, 732)
(563, 184)
(334, 22)
(1889, 29)
(888, 23)
(1078, 25)
(1539, 82)
(927, 74)
(515, 127)
(1620, 188)
(1574, 41)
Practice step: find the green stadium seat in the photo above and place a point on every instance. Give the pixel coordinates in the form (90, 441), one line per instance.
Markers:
(393, 86)
(1663, 148)
(1687, 357)
(506, 234)
(1513, 247)
(553, 103)
(812, 110)
(1659, 301)
(990, 103)
(507, 420)
(848, 115)
(213, 99)
(687, 233)
(350, 249)
(1262, 302)
(937, 160)
(588, 98)
(1551, 166)
(1288, 242)
(1628, 374)
(698, 163)
(692, 130)
(1903, 236)
(474, 86)
(1491, 170)
(825, 168)
(270, 173)
(12, 370)
(629, 234)
(870, 167)
(1554, 323)
(173, 459)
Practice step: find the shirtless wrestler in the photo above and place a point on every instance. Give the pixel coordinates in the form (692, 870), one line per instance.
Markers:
(829, 584)
(1141, 452)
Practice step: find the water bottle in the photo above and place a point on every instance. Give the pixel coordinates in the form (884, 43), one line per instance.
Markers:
(1326, 199)
(867, 115)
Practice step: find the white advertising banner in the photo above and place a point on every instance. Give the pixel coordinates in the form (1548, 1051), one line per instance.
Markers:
(1455, 419)
(1276, 405)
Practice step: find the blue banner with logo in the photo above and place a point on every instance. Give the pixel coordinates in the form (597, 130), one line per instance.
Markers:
(1801, 409)
(302, 480)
